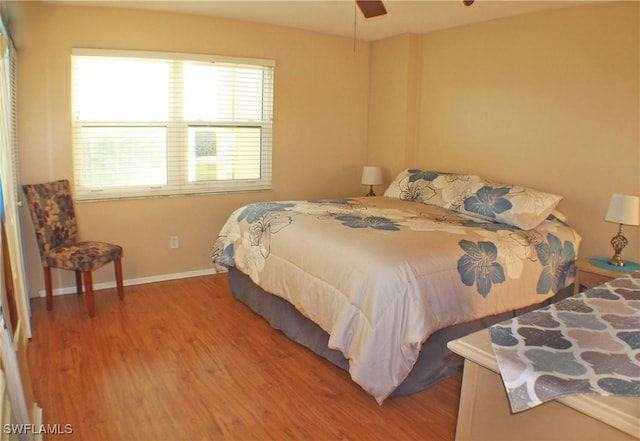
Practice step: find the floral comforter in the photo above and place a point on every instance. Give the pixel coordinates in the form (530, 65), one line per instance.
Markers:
(380, 275)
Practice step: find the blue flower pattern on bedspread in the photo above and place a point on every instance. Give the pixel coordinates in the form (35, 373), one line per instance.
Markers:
(489, 226)
(343, 201)
(255, 212)
(223, 254)
(264, 219)
(558, 260)
(479, 264)
(375, 222)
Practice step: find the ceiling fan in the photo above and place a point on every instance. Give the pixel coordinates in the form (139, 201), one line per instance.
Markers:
(375, 8)
(371, 8)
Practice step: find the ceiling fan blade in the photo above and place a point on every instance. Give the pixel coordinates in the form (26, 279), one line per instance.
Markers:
(371, 8)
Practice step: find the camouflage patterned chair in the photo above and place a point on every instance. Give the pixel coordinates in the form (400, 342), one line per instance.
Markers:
(54, 221)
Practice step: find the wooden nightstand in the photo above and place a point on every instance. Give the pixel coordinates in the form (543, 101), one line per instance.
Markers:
(590, 275)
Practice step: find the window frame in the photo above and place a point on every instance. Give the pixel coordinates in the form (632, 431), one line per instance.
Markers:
(177, 129)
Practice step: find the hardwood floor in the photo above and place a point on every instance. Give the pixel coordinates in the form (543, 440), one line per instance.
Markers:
(184, 360)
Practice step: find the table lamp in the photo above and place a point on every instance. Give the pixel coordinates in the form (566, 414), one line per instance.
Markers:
(624, 210)
(371, 176)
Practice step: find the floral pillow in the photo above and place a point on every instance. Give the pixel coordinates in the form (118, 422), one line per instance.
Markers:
(521, 207)
(447, 190)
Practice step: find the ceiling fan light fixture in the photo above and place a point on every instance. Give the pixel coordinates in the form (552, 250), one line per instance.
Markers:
(371, 8)
(467, 2)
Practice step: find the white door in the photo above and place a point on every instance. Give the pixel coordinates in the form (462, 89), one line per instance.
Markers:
(15, 331)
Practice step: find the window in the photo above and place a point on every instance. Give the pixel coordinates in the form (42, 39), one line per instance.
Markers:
(152, 124)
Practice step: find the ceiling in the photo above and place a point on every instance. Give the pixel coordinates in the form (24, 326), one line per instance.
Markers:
(340, 17)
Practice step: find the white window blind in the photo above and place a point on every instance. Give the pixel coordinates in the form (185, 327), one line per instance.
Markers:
(153, 124)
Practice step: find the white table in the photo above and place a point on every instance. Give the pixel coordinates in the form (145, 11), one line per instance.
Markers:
(485, 414)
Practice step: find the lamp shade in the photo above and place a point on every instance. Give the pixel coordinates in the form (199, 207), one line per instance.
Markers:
(371, 175)
(624, 209)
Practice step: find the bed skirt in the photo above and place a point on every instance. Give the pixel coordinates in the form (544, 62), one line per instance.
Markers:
(435, 362)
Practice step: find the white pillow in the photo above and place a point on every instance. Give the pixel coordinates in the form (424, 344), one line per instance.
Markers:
(446, 190)
(521, 207)
(514, 205)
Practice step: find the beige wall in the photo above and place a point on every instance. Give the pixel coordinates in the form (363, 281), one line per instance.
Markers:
(548, 100)
(393, 103)
(320, 120)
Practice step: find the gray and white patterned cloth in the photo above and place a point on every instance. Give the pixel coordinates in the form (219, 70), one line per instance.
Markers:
(585, 344)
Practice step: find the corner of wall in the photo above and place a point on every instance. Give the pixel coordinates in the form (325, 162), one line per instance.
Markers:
(394, 102)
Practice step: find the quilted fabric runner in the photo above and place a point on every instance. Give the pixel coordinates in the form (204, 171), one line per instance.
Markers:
(585, 344)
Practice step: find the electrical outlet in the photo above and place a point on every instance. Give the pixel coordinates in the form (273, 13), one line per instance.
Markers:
(175, 242)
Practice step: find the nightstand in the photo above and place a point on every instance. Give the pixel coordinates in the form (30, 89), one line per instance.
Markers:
(595, 271)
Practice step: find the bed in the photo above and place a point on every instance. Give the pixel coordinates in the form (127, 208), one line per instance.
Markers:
(378, 285)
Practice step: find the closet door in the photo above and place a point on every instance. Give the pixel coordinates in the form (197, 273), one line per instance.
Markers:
(7, 417)
(15, 327)
(10, 195)
(13, 351)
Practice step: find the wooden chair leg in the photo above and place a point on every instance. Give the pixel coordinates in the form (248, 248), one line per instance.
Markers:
(88, 288)
(117, 264)
(48, 287)
(79, 282)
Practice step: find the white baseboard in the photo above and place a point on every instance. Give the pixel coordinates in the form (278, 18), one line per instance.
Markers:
(139, 281)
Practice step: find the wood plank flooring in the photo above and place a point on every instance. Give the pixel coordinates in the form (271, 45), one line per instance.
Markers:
(183, 360)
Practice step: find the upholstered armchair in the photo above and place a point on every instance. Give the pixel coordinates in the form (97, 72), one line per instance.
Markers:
(54, 221)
